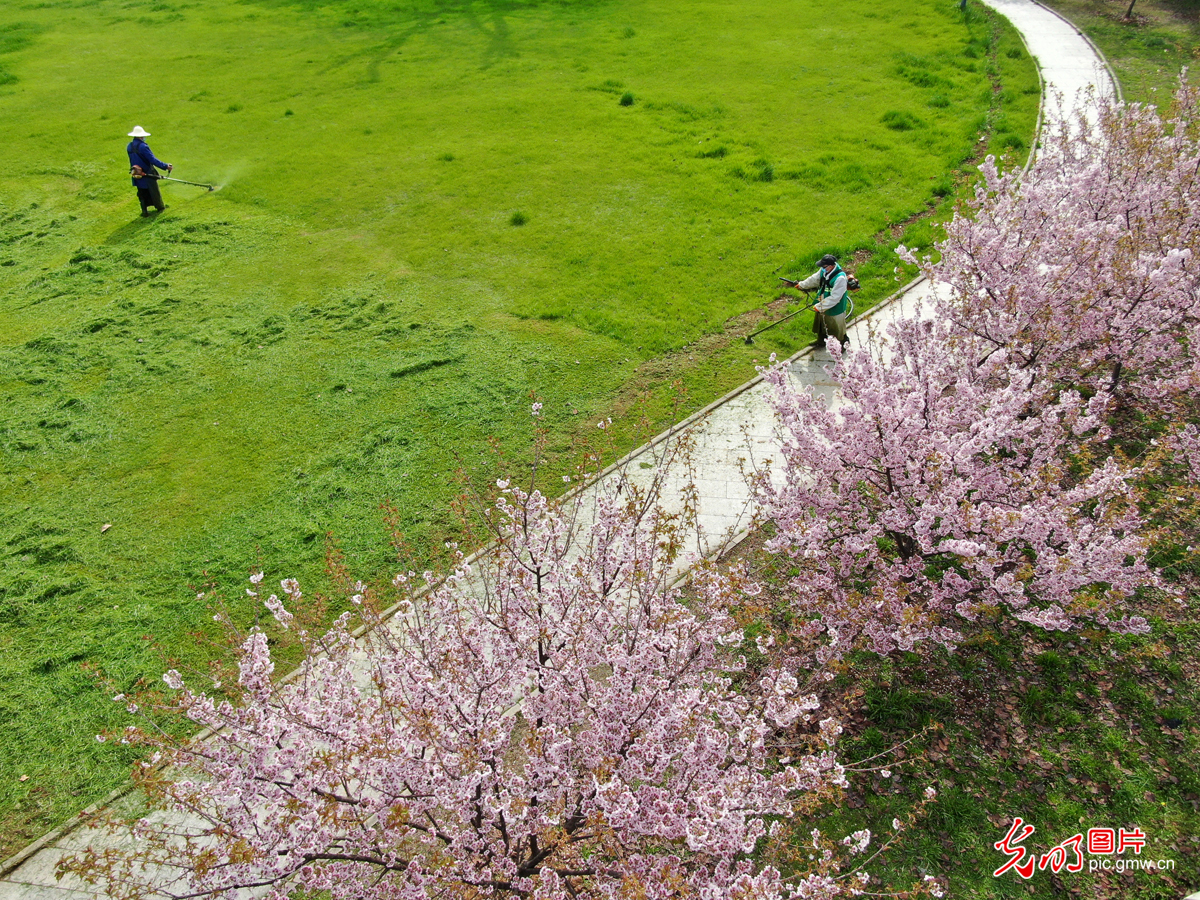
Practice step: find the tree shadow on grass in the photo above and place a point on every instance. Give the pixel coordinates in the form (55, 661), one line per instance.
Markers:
(420, 9)
(1145, 12)
(495, 31)
(1187, 10)
(487, 17)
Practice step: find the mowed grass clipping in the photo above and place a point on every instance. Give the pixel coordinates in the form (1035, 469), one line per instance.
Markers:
(426, 213)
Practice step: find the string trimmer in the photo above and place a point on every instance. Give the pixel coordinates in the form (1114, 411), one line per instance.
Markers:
(211, 187)
(795, 284)
(138, 173)
(789, 283)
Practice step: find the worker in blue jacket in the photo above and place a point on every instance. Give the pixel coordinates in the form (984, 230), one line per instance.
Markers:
(142, 163)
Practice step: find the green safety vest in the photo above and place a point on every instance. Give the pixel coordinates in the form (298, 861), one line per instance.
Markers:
(826, 288)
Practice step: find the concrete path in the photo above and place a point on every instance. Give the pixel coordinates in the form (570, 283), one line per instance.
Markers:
(734, 431)
(1070, 64)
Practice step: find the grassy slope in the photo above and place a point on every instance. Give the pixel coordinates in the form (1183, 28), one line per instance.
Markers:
(1067, 731)
(1148, 50)
(267, 363)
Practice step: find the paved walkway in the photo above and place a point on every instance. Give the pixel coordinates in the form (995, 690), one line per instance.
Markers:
(738, 427)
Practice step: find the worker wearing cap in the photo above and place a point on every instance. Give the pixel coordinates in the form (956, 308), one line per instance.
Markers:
(142, 163)
(829, 281)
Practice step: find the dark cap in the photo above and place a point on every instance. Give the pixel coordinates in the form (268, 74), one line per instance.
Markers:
(828, 260)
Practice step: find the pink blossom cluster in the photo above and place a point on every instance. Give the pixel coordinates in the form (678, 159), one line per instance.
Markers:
(1084, 268)
(966, 471)
(551, 721)
(938, 489)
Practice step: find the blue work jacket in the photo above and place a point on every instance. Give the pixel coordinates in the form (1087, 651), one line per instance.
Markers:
(141, 155)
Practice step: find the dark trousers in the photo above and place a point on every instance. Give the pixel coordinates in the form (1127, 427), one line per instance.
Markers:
(826, 325)
(150, 195)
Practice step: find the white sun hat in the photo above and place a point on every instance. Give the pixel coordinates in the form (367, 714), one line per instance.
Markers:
(139, 131)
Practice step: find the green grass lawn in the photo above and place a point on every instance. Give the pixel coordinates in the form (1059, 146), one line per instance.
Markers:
(426, 212)
(1068, 731)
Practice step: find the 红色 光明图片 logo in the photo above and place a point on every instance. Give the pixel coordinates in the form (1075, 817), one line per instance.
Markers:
(1099, 849)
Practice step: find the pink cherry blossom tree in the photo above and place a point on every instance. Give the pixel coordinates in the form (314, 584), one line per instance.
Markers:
(965, 470)
(552, 720)
(941, 487)
(1084, 268)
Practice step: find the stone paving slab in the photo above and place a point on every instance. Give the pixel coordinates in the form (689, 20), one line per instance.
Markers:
(733, 434)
